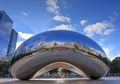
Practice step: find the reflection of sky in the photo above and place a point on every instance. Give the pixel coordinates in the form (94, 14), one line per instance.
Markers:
(62, 36)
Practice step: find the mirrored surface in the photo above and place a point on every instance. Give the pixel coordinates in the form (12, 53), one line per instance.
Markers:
(59, 46)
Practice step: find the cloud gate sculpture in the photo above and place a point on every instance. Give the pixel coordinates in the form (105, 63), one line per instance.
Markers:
(60, 48)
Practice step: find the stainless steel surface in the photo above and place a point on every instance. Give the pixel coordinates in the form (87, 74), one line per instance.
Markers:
(47, 48)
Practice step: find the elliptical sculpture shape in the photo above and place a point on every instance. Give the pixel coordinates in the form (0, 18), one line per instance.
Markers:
(52, 49)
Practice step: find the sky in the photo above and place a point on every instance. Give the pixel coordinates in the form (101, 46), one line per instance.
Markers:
(97, 19)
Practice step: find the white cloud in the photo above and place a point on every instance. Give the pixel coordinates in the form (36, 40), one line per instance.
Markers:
(52, 6)
(102, 28)
(24, 35)
(108, 31)
(100, 42)
(83, 22)
(61, 18)
(114, 16)
(62, 27)
(107, 50)
(24, 14)
(19, 43)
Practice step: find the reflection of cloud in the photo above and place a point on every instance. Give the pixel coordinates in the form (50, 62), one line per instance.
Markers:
(62, 27)
(52, 6)
(102, 28)
(61, 18)
(6, 27)
(24, 35)
(83, 22)
(24, 13)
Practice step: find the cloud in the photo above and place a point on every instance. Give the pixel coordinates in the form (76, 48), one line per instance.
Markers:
(52, 6)
(101, 28)
(107, 50)
(24, 14)
(83, 22)
(19, 43)
(100, 42)
(61, 18)
(113, 17)
(108, 31)
(24, 35)
(62, 27)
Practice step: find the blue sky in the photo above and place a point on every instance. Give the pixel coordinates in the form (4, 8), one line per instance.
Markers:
(98, 19)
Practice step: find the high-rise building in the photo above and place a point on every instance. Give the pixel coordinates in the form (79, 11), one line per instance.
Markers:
(12, 43)
(8, 36)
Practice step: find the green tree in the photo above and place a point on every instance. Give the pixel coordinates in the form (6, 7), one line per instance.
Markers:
(115, 66)
(4, 68)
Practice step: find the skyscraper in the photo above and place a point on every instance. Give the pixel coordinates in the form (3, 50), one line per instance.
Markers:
(7, 35)
(12, 43)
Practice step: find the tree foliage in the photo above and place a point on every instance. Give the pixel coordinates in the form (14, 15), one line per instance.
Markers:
(115, 66)
(4, 68)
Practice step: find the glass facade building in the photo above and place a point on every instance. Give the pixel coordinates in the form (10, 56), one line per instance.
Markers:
(6, 34)
(12, 43)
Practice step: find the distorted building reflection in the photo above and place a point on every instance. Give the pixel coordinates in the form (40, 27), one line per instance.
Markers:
(43, 50)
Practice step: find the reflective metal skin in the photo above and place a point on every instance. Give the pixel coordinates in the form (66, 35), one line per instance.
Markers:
(52, 49)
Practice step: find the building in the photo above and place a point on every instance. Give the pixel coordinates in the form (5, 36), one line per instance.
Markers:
(12, 43)
(69, 45)
(7, 35)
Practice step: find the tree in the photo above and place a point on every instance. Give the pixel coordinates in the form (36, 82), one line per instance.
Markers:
(115, 66)
(4, 68)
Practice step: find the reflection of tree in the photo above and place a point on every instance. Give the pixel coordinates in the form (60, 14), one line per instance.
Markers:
(60, 72)
(86, 49)
(51, 46)
(61, 46)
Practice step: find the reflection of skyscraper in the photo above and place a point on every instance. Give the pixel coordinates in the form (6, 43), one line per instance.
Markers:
(8, 37)
(69, 45)
(78, 46)
(38, 46)
(50, 44)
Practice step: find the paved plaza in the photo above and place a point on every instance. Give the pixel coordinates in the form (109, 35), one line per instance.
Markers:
(106, 80)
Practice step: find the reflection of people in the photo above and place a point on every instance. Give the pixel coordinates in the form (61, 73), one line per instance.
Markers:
(63, 74)
(55, 74)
